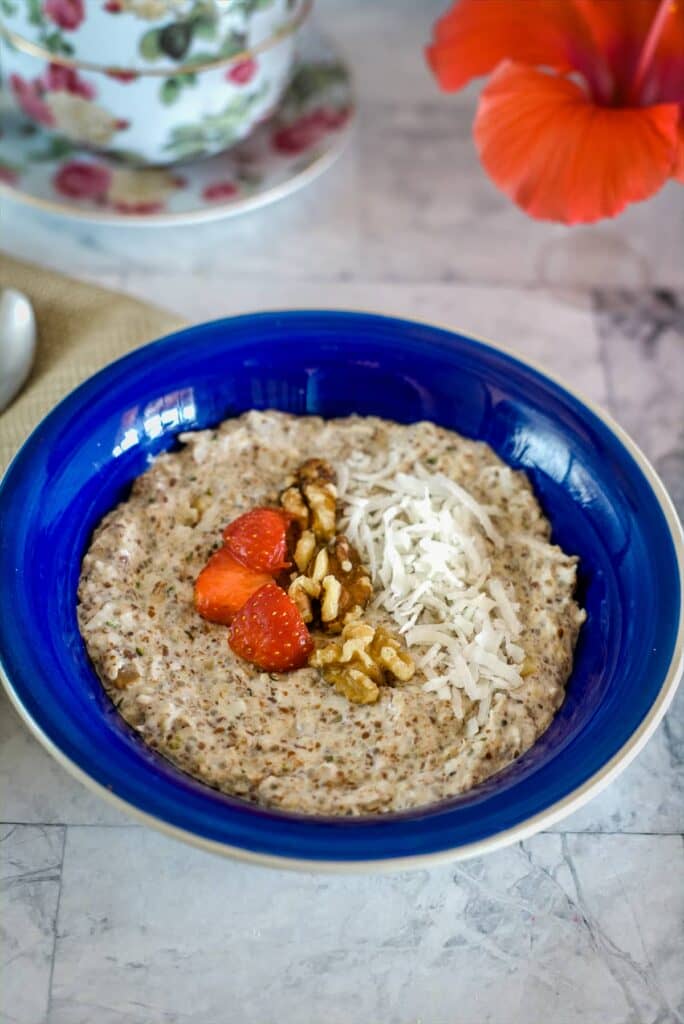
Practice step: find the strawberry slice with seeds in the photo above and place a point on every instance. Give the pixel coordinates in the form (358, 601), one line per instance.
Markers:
(259, 539)
(224, 585)
(269, 631)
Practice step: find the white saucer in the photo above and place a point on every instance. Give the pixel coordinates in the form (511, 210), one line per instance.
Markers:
(298, 143)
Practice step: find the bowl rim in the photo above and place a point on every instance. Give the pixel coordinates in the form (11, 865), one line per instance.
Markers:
(27, 46)
(544, 818)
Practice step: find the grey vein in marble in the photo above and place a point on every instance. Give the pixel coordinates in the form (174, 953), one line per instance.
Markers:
(642, 342)
(34, 789)
(31, 859)
(562, 928)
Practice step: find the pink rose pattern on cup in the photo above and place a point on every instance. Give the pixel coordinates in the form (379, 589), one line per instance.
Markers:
(8, 174)
(188, 107)
(29, 96)
(242, 72)
(67, 14)
(57, 77)
(79, 179)
(126, 190)
(315, 108)
(220, 190)
(308, 130)
(62, 100)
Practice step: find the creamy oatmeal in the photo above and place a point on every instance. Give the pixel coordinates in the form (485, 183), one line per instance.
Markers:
(463, 571)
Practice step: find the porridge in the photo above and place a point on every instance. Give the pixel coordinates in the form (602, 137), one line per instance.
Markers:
(409, 632)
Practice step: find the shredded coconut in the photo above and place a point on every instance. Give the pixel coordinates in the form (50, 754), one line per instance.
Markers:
(427, 541)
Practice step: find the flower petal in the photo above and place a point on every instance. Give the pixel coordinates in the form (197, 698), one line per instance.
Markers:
(620, 29)
(561, 157)
(474, 36)
(667, 79)
(678, 171)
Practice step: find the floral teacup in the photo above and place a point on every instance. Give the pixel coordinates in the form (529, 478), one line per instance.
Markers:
(159, 108)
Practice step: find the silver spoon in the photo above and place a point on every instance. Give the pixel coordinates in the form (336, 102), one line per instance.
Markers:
(17, 343)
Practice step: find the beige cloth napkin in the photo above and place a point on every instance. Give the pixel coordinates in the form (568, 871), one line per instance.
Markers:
(80, 329)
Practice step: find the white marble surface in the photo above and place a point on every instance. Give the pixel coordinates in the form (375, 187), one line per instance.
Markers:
(578, 927)
(103, 921)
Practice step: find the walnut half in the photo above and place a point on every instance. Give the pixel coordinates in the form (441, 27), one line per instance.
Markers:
(344, 563)
(312, 498)
(363, 658)
(332, 587)
(332, 574)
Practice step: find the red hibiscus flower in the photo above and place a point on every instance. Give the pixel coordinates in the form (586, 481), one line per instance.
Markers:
(220, 190)
(67, 14)
(29, 96)
(79, 179)
(58, 78)
(307, 130)
(584, 112)
(242, 72)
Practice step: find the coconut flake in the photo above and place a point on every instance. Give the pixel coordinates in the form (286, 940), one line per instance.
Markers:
(428, 543)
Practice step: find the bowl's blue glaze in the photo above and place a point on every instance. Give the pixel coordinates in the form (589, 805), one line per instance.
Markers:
(82, 458)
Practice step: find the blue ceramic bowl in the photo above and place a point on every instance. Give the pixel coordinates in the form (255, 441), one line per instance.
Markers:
(603, 499)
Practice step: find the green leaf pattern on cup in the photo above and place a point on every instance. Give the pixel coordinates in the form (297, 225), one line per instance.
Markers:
(174, 39)
(9, 168)
(315, 107)
(35, 13)
(56, 148)
(214, 130)
(311, 80)
(49, 35)
(172, 87)
(249, 7)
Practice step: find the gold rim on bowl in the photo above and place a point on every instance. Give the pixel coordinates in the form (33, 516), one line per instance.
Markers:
(34, 50)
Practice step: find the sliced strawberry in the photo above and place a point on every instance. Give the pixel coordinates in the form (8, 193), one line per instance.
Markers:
(224, 585)
(269, 631)
(259, 539)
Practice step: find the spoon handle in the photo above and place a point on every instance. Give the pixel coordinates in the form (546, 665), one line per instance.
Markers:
(17, 343)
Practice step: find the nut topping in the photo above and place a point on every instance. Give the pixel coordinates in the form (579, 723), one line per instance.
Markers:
(390, 653)
(301, 590)
(312, 498)
(343, 582)
(332, 587)
(303, 553)
(362, 659)
(344, 562)
(321, 564)
(330, 605)
(353, 684)
(293, 502)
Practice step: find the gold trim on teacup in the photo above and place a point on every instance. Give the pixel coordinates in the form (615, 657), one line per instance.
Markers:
(26, 46)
